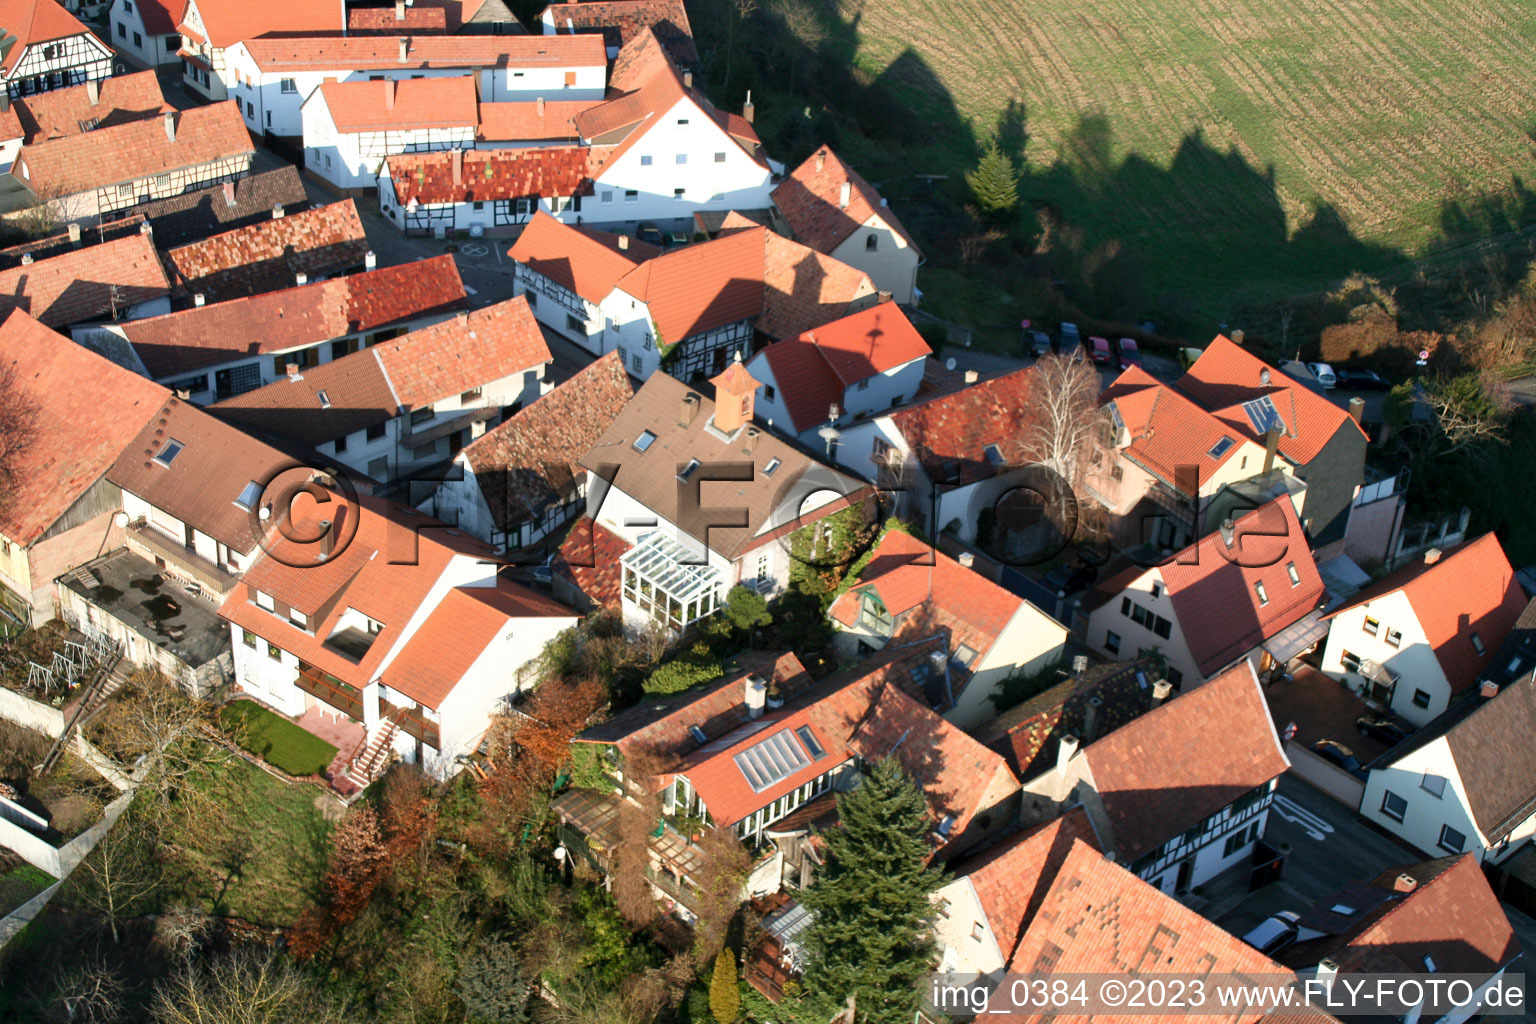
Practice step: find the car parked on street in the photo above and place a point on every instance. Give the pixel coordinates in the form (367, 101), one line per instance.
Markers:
(649, 232)
(1339, 754)
(1363, 380)
(1071, 337)
(1128, 353)
(1039, 343)
(1100, 349)
(1324, 374)
(1275, 932)
(1382, 728)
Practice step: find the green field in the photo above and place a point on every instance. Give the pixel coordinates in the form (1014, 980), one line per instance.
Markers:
(1208, 154)
(271, 736)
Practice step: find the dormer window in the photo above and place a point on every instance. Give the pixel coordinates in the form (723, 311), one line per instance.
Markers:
(688, 470)
(249, 496)
(325, 399)
(265, 601)
(1291, 571)
(1477, 644)
(1258, 588)
(169, 452)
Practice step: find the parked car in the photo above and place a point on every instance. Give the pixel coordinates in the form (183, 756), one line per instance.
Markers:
(1100, 349)
(1363, 380)
(1128, 352)
(1324, 374)
(648, 232)
(1274, 932)
(1384, 728)
(1330, 750)
(1039, 343)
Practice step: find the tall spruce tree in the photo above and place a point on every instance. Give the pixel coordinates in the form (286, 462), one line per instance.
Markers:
(872, 937)
(995, 182)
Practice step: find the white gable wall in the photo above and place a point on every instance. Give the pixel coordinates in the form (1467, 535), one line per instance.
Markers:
(891, 264)
(1134, 637)
(128, 33)
(1413, 660)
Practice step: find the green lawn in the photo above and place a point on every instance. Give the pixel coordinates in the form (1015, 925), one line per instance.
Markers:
(271, 736)
(20, 884)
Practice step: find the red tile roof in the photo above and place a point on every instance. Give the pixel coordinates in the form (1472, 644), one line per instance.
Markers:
(1214, 588)
(1176, 765)
(87, 284)
(1168, 430)
(815, 369)
(381, 21)
(200, 486)
(535, 457)
(589, 558)
(639, 59)
(531, 121)
(457, 632)
(490, 174)
(1030, 733)
(267, 255)
(1098, 918)
(159, 16)
(1012, 877)
(1226, 375)
(440, 102)
(467, 351)
(386, 560)
(952, 432)
(621, 20)
(355, 385)
(197, 338)
(32, 22)
(578, 260)
(134, 150)
(227, 22)
(88, 410)
(354, 53)
(1470, 589)
(810, 201)
(60, 112)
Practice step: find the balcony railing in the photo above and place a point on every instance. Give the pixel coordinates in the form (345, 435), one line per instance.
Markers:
(413, 723)
(439, 427)
(342, 696)
(181, 560)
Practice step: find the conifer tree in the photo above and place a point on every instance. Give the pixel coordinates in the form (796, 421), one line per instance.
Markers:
(724, 994)
(871, 937)
(995, 182)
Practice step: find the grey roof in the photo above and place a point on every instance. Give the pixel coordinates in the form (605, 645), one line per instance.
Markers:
(1517, 656)
(198, 214)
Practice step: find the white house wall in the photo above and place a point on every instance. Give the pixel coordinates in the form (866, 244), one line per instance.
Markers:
(271, 682)
(1134, 637)
(1030, 642)
(127, 33)
(1414, 660)
(957, 913)
(891, 265)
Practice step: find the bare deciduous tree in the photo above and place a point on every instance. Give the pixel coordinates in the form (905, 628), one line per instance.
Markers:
(18, 430)
(1066, 432)
(246, 987)
(121, 873)
(89, 992)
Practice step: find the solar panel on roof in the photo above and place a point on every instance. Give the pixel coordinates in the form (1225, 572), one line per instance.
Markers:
(1262, 413)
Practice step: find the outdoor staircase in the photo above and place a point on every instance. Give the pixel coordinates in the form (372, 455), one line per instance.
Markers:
(104, 681)
(372, 762)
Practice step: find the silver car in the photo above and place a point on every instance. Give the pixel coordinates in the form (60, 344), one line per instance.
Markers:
(1274, 932)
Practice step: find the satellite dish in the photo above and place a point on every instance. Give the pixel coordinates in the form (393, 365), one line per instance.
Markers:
(121, 519)
(949, 364)
(265, 513)
(559, 855)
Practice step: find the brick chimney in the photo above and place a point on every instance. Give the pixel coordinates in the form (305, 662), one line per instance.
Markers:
(405, 49)
(1237, 337)
(1432, 556)
(748, 111)
(688, 410)
(1356, 408)
(821, 158)
(458, 167)
(1404, 883)
(735, 392)
(170, 125)
(1271, 445)
(1091, 718)
(93, 91)
(540, 105)
(1487, 689)
(389, 94)
(229, 193)
(687, 79)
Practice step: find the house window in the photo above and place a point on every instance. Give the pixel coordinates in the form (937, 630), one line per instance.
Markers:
(872, 243)
(265, 601)
(688, 470)
(1258, 588)
(1433, 785)
(138, 40)
(1351, 662)
(1452, 840)
(532, 299)
(297, 618)
(863, 384)
(646, 161)
(379, 468)
(1174, 676)
(340, 444)
(274, 652)
(644, 441)
(719, 158)
(248, 638)
(682, 158)
(374, 432)
(978, 932)
(945, 907)
(1421, 698)
(773, 464)
(570, 78)
(575, 323)
(1221, 447)
(419, 416)
(1395, 637)
(606, 196)
(249, 495)
(1157, 589)
(172, 43)
(477, 207)
(1162, 627)
(1236, 841)
(1393, 806)
(809, 742)
(1117, 471)
(472, 395)
(1372, 626)
(768, 392)
(1290, 570)
(1477, 644)
(631, 196)
(636, 366)
(122, 31)
(287, 85)
(873, 615)
(1112, 642)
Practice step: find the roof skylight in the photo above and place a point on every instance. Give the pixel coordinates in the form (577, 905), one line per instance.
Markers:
(1221, 447)
(249, 495)
(1263, 414)
(777, 757)
(644, 441)
(169, 452)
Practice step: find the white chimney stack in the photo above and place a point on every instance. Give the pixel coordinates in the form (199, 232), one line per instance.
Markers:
(844, 195)
(301, 278)
(26, 259)
(757, 695)
(277, 211)
(199, 299)
(405, 48)
(370, 260)
(1066, 749)
(170, 125)
(966, 559)
(93, 91)
(399, 10)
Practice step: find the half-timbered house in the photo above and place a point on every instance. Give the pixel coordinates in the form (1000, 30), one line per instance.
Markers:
(496, 191)
(210, 27)
(350, 128)
(45, 47)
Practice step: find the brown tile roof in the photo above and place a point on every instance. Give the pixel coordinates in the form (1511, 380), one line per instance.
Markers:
(86, 284)
(586, 262)
(1098, 918)
(1226, 375)
(441, 102)
(662, 722)
(159, 16)
(355, 385)
(531, 120)
(419, 18)
(804, 289)
(1451, 915)
(1471, 590)
(457, 632)
(88, 410)
(227, 22)
(203, 212)
(650, 477)
(10, 124)
(809, 200)
(1496, 760)
(267, 255)
(128, 152)
(950, 434)
(490, 174)
(589, 558)
(59, 244)
(813, 370)
(60, 112)
(32, 22)
(640, 58)
(620, 20)
(197, 338)
(1179, 763)
(1012, 877)
(203, 481)
(535, 457)
(466, 351)
(353, 53)
(1168, 430)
